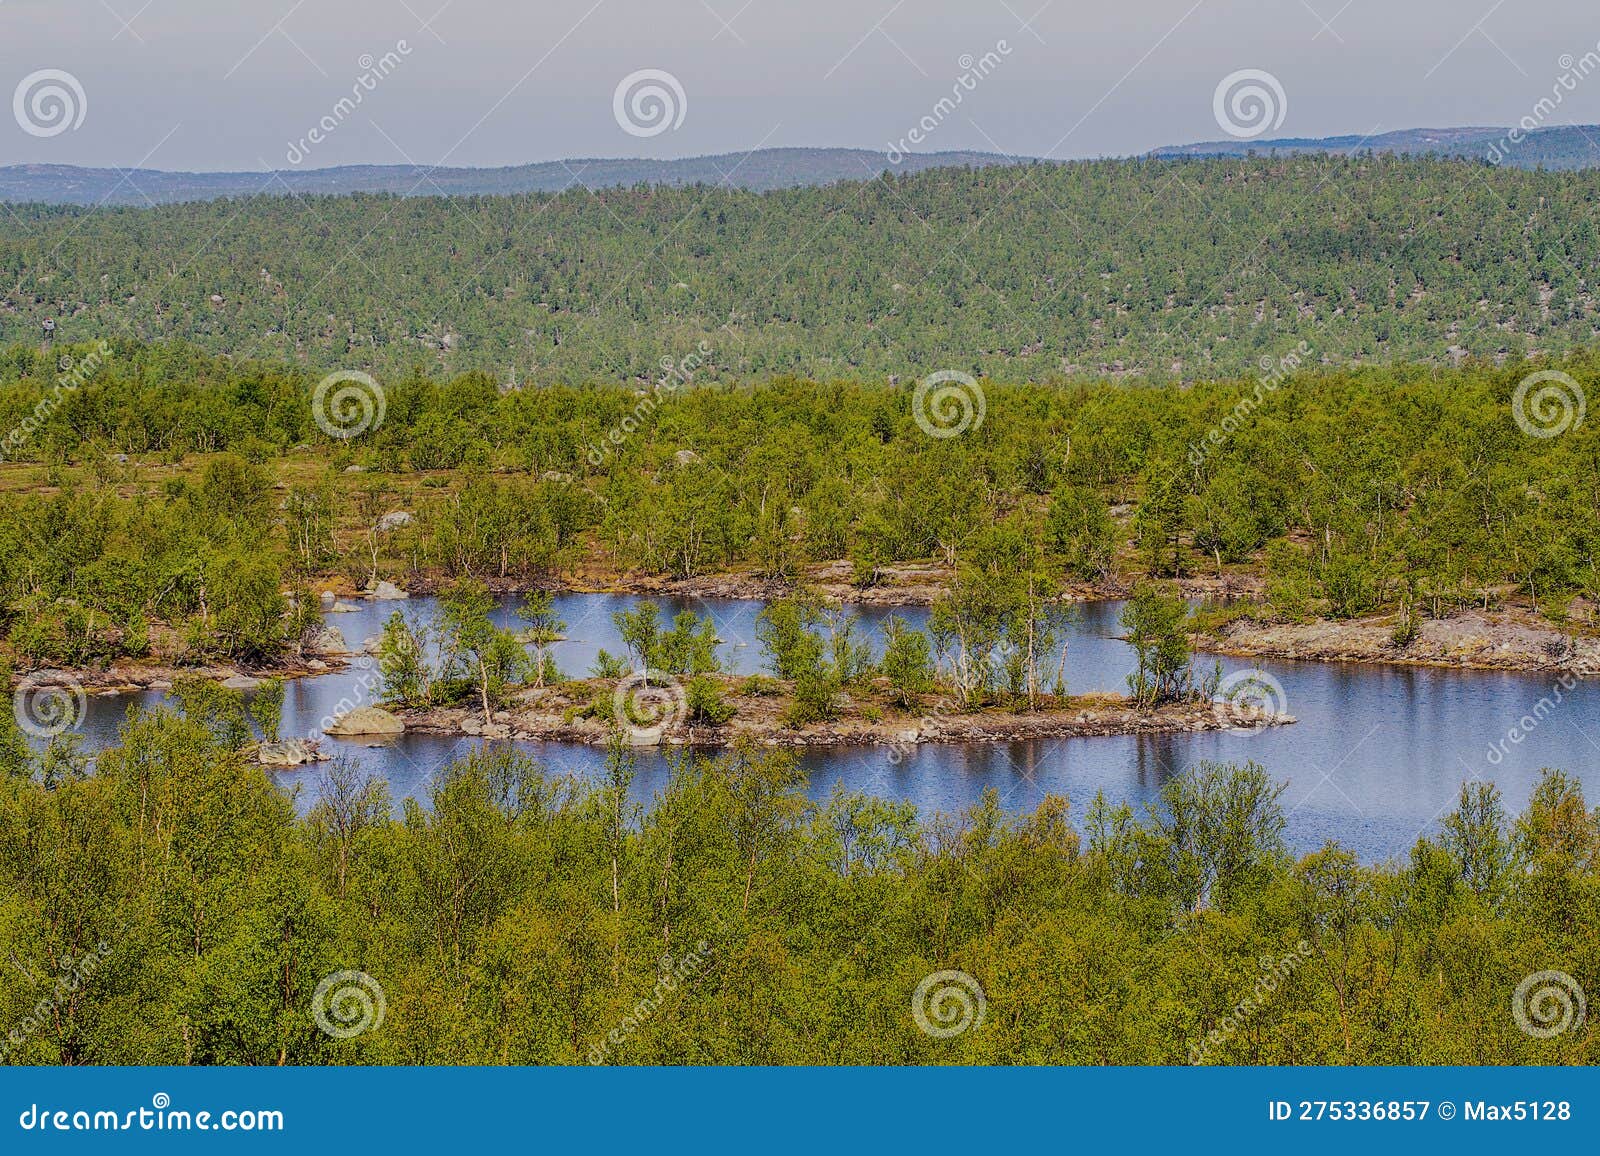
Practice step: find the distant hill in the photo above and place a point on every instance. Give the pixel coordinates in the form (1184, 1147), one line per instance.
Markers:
(759, 171)
(1564, 147)
(1093, 268)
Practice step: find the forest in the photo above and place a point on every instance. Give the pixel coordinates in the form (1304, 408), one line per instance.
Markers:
(1013, 273)
(181, 501)
(171, 909)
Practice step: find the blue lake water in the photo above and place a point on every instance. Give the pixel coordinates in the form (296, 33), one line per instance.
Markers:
(1378, 755)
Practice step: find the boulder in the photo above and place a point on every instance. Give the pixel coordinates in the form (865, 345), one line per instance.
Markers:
(365, 720)
(393, 520)
(388, 592)
(240, 682)
(328, 640)
(289, 753)
(472, 725)
(372, 645)
(341, 608)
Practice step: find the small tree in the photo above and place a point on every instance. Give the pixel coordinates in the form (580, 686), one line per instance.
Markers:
(545, 629)
(403, 664)
(1156, 620)
(266, 708)
(907, 661)
(490, 657)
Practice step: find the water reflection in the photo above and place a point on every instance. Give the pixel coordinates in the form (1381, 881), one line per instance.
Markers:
(1378, 755)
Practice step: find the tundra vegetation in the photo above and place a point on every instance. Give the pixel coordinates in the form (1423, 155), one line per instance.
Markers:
(189, 506)
(514, 915)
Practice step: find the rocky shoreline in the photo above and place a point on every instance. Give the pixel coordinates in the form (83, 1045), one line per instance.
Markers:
(557, 715)
(1473, 641)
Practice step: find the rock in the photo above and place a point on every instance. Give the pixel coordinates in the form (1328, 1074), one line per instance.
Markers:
(365, 720)
(328, 640)
(160, 684)
(497, 731)
(240, 682)
(371, 645)
(501, 716)
(328, 597)
(289, 753)
(341, 608)
(393, 520)
(472, 725)
(685, 457)
(316, 664)
(354, 470)
(388, 592)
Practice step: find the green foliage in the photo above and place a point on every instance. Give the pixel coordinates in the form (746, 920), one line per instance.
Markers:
(706, 706)
(266, 708)
(1080, 531)
(1312, 252)
(474, 649)
(1156, 620)
(403, 664)
(200, 914)
(907, 661)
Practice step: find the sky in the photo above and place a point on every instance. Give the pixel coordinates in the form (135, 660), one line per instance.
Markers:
(209, 85)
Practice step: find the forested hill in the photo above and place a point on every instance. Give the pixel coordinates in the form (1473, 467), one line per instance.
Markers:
(763, 169)
(1567, 146)
(1183, 267)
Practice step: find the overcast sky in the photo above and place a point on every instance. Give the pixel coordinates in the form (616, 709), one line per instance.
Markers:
(210, 84)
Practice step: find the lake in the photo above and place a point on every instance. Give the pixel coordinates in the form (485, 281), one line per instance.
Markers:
(1377, 757)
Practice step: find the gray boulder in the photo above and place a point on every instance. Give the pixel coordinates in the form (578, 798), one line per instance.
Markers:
(365, 720)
